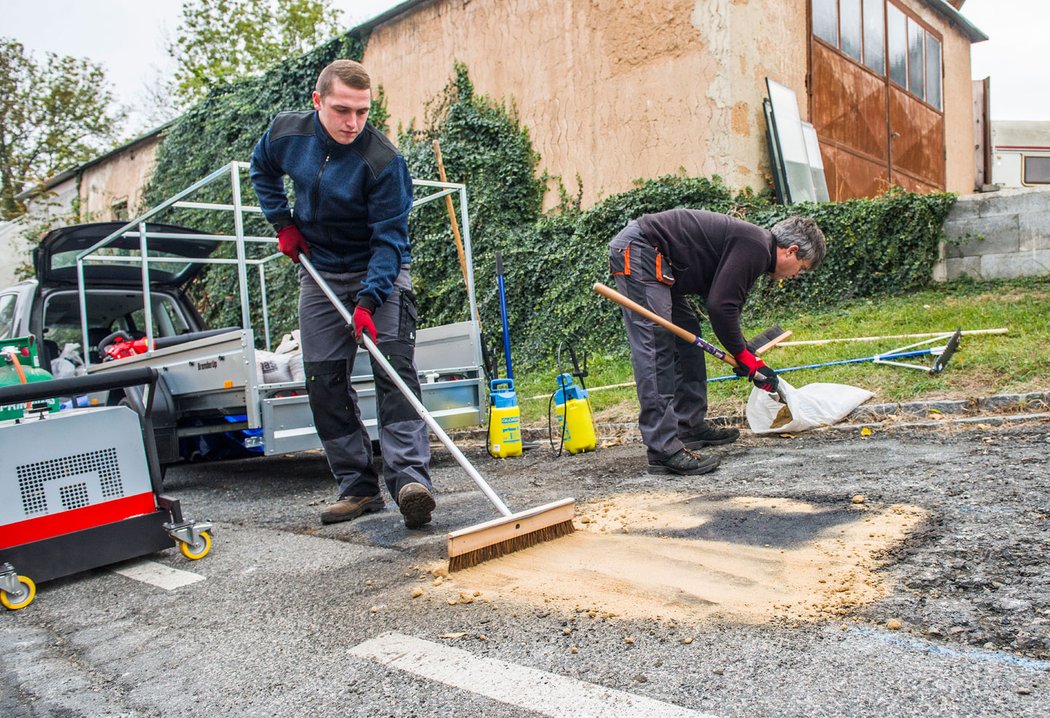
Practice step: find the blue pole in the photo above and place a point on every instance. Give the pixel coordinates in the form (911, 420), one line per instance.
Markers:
(903, 355)
(503, 313)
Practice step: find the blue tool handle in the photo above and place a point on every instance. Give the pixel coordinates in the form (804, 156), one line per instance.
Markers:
(503, 313)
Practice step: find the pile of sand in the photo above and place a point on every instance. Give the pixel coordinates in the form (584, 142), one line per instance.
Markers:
(688, 559)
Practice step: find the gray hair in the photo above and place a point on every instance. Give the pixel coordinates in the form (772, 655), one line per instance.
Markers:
(804, 232)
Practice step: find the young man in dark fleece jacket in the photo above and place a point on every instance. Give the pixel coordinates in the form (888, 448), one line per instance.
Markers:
(353, 194)
(660, 259)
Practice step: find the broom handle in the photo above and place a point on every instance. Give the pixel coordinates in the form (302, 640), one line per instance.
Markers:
(708, 347)
(378, 358)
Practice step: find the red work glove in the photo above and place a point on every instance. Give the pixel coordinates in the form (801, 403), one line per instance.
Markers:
(291, 242)
(756, 370)
(363, 323)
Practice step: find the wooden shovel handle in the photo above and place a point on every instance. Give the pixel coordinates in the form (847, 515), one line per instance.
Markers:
(688, 336)
(451, 212)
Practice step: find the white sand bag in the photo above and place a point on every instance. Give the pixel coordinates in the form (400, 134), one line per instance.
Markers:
(289, 343)
(295, 367)
(273, 368)
(811, 406)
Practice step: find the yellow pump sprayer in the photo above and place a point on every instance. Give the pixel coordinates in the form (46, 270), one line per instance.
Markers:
(572, 408)
(504, 414)
(504, 419)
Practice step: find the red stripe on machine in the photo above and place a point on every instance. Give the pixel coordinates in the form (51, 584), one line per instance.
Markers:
(66, 522)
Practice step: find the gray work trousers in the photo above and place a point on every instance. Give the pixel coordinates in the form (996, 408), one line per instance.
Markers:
(669, 373)
(329, 349)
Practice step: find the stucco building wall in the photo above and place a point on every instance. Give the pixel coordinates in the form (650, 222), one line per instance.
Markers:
(611, 91)
(615, 91)
(120, 178)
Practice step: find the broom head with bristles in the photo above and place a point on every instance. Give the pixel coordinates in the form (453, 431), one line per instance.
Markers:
(499, 537)
(768, 339)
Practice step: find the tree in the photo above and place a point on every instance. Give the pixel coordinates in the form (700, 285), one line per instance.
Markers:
(222, 40)
(53, 116)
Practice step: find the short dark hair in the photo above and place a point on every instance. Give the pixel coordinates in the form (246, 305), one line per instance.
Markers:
(349, 72)
(804, 232)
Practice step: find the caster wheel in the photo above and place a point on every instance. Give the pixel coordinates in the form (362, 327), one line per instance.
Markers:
(197, 550)
(13, 602)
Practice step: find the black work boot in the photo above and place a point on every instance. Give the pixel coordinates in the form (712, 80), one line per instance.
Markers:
(685, 463)
(711, 436)
(416, 503)
(350, 507)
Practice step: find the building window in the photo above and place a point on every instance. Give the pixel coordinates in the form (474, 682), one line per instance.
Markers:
(898, 45)
(933, 71)
(875, 36)
(914, 57)
(916, 62)
(1036, 170)
(826, 21)
(119, 208)
(855, 28)
(850, 28)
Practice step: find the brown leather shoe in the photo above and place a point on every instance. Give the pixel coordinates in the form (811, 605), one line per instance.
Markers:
(416, 504)
(350, 507)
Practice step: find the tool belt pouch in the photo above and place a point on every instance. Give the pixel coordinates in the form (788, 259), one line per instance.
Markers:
(643, 263)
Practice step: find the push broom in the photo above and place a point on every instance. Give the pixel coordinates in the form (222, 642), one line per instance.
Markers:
(492, 539)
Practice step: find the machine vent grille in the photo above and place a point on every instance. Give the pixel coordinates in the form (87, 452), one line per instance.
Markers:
(102, 463)
(74, 497)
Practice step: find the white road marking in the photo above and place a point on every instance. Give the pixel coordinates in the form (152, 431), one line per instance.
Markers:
(157, 574)
(545, 693)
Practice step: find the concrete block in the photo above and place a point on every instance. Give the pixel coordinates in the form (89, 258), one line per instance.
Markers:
(1034, 231)
(1002, 401)
(988, 235)
(959, 406)
(940, 271)
(966, 207)
(874, 412)
(1021, 264)
(1018, 201)
(963, 267)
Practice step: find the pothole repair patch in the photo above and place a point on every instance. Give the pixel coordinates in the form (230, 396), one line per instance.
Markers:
(665, 556)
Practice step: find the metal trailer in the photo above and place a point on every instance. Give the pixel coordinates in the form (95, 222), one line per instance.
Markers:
(214, 374)
(82, 489)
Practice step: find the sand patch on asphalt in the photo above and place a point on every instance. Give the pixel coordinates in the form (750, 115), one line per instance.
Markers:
(666, 556)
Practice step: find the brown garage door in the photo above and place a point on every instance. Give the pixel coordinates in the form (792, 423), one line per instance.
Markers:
(875, 97)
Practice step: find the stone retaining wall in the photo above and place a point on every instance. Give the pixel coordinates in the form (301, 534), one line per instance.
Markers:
(1001, 235)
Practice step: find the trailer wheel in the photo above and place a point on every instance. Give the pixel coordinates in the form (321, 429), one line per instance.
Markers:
(22, 599)
(198, 550)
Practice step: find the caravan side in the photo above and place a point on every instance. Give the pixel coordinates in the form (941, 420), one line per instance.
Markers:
(1021, 154)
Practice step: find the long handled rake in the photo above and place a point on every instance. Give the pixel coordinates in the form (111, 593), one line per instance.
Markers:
(492, 539)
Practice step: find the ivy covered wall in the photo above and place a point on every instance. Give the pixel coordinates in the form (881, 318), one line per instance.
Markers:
(880, 246)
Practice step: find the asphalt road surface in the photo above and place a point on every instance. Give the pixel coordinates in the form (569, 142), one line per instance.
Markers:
(288, 617)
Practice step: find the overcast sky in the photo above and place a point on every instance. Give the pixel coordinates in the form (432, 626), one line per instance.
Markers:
(129, 36)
